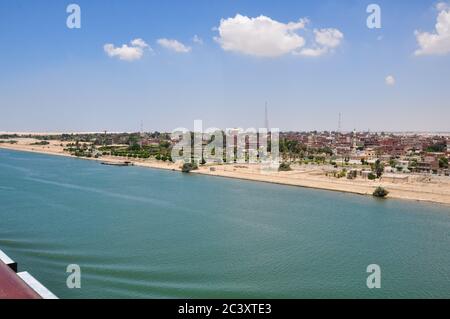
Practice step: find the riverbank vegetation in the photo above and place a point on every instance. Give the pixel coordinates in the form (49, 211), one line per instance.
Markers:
(380, 192)
(284, 167)
(188, 167)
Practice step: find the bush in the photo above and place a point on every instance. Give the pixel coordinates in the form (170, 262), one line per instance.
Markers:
(342, 173)
(40, 143)
(188, 167)
(443, 162)
(372, 176)
(351, 175)
(284, 167)
(380, 192)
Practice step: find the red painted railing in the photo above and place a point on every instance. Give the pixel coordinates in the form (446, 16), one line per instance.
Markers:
(12, 287)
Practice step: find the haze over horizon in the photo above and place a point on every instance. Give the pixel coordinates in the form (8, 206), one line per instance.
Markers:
(168, 63)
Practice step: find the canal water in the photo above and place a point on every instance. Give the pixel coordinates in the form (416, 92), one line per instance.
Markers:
(146, 233)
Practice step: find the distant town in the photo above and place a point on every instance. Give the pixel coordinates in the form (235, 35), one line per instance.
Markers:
(405, 153)
(424, 153)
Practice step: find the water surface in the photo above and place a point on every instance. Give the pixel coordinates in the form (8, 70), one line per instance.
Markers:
(145, 233)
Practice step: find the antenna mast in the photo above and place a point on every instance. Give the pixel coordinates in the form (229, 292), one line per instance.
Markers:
(340, 123)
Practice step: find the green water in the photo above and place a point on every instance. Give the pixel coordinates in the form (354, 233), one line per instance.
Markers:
(144, 233)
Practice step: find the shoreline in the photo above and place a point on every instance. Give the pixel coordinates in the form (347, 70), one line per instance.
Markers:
(306, 179)
(330, 189)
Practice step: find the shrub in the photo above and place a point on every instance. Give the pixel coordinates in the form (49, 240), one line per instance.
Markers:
(443, 162)
(351, 175)
(380, 192)
(342, 173)
(284, 167)
(372, 176)
(40, 143)
(188, 167)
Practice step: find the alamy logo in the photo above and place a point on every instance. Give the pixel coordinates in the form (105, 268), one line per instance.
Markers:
(232, 145)
(74, 279)
(74, 19)
(374, 19)
(374, 279)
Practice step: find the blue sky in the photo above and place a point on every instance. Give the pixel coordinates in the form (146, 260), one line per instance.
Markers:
(53, 78)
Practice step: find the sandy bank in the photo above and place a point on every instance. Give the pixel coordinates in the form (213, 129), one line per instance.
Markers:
(436, 190)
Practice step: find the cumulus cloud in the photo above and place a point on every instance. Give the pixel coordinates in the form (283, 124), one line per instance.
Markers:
(438, 41)
(330, 38)
(312, 52)
(325, 40)
(260, 36)
(174, 45)
(265, 37)
(442, 6)
(390, 80)
(139, 43)
(127, 53)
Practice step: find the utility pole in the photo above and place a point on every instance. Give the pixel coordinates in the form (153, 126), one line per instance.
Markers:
(266, 123)
(340, 123)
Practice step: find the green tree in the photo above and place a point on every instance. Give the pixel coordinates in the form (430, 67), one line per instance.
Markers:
(437, 148)
(378, 168)
(371, 176)
(188, 167)
(392, 162)
(443, 162)
(380, 192)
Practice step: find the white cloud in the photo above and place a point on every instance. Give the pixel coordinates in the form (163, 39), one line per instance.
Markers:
(390, 80)
(312, 52)
(265, 37)
(139, 43)
(260, 36)
(197, 39)
(174, 45)
(325, 41)
(127, 53)
(329, 38)
(442, 6)
(438, 41)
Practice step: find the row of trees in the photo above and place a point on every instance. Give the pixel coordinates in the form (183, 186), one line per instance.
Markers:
(293, 150)
(82, 150)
